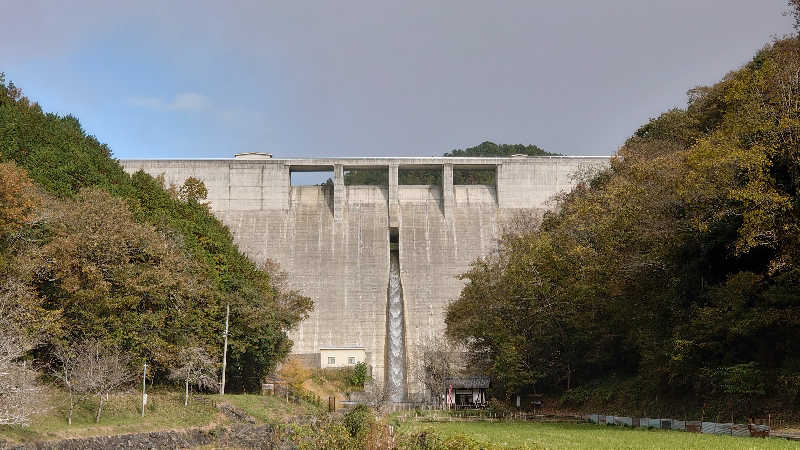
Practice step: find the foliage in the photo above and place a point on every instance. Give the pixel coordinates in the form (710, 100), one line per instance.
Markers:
(193, 190)
(149, 269)
(359, 420)
(794, 11)
(17, 199)
(678, 265)
(358, 374)
(294, 372)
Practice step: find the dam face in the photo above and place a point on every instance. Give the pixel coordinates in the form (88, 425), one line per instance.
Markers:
(336, 246)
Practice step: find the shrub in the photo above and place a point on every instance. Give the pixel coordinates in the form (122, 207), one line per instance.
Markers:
(358, 375)
(359, 420)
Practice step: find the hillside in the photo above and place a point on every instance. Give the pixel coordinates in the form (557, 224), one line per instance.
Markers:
(141, 267)
(672, 277)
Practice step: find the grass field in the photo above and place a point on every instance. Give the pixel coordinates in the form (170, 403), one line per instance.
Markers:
(589, 436)
(165, 411)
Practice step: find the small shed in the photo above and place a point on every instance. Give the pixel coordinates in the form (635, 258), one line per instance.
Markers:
(467, 392)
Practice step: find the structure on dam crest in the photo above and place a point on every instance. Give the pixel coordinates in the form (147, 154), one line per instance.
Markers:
(335, 243)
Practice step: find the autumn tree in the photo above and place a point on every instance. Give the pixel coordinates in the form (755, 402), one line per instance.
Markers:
(294, 372)
(17, 198)
(120, 281)
(193, 190)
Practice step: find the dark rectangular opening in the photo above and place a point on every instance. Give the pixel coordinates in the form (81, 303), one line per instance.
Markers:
(367, 177)
(394, 238)
(481, 176)
(420, 176)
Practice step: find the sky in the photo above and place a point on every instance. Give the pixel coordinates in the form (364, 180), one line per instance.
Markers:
(372, 78)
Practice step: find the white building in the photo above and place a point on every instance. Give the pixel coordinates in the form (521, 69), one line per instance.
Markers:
(341, 356)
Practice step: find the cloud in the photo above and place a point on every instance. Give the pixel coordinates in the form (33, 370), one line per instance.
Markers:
(190, 100)
(185, 101)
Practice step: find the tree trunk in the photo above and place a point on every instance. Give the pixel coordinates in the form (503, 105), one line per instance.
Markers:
(186, 394)
(99, 409)
(71, 406)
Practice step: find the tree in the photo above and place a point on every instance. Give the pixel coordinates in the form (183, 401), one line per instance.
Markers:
(195, 368)
(437, 358)
(794, 11)
(676, 264)
(17, 198)
(65, 368)
(146, 298)
(23, 325)
(193, 190)
(358, 374)
(294, 372)
(100, 370)
(116, 280)
(20, 393)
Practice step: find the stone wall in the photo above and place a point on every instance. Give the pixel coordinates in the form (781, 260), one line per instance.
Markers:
(239, 436)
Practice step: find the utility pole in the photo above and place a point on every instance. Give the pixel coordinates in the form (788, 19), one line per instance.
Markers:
(225, 349)
(144, 387)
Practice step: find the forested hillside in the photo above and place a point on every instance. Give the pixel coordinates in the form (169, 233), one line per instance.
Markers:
(672, 275)
(88, 252)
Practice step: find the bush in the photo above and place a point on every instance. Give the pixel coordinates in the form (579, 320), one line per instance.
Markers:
(430, 440)
(359, 420)
(358, 375)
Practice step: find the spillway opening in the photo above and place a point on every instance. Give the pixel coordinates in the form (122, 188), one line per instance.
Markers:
(366, 177)
(395, 324)
(475, 176)
(419, 177)
(311, 185)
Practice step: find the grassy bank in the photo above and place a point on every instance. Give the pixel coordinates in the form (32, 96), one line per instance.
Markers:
(165, 411)
(579, 436)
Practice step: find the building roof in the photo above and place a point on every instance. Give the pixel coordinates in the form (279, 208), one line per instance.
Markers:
(476, 382)
(342, 348)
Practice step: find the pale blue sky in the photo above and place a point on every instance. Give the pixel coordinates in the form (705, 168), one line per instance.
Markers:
(372, 78)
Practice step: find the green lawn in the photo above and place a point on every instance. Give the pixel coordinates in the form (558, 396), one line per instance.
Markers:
(270, 409)
(571, 436)
(165, 411)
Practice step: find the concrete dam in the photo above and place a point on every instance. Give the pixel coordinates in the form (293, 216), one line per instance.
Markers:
(380, 262)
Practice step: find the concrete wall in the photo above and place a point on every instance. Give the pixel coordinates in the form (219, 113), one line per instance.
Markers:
(335, 244)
